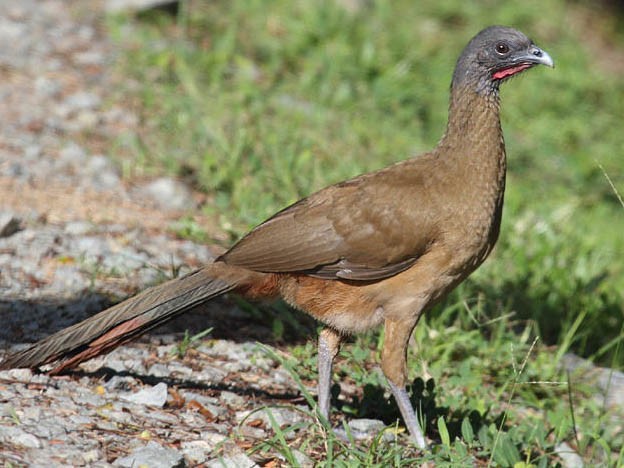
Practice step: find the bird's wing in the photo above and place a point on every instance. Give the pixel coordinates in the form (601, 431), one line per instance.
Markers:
(356, 230)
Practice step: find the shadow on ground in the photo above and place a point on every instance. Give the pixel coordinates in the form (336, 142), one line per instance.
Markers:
(26, 321)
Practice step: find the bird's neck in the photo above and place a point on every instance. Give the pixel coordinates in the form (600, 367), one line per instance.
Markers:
(472, 153)
(473, 143)
(474, 123)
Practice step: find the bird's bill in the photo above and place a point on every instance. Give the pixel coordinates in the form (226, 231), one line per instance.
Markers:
(534, 56)
(537, 56)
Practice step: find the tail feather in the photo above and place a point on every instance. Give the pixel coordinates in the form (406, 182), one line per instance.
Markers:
(122, 322)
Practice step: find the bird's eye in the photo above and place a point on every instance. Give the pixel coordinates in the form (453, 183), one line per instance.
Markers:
(502, 48)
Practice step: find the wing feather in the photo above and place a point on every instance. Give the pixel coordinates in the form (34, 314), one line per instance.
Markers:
(337, 233)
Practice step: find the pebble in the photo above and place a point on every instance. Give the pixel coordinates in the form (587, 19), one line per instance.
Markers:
(159, 370)
(610, 382)
(363, 429)
(120, 383)
(103, 174)
(9, 224)
(212, 438)
(283, 417)
(27, 440)
(232, 399)
(72, 155)
(47, 87)
(196, 451)
(119, 6)
(19, 437)
(152, 455)
(91, 456)
(169, 194)
(236, 461)
(21, 375)
(569, 458)
(78, 228)
(149, 396)
(88, 398)
(211, 374)
(302, 459)
(81, 100)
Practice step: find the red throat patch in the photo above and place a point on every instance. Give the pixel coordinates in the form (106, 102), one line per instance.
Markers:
(505, 72)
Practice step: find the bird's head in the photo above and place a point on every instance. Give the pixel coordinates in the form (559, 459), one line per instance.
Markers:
(494, 55)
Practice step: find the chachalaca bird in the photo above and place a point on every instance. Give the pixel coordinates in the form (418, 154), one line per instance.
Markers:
(379, 248)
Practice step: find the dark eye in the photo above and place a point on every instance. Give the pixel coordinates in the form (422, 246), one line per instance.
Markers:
(502, 48)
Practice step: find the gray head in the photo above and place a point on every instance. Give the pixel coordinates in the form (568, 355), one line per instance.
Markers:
(494, 55)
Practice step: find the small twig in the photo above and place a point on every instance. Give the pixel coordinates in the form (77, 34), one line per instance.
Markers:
(615, 190)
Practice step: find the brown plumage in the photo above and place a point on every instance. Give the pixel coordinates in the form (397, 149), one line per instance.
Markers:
(380, 248)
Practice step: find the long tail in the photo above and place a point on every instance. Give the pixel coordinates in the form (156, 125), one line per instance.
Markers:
(127, 320)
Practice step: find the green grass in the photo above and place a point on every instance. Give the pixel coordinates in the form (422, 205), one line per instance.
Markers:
(259, 103)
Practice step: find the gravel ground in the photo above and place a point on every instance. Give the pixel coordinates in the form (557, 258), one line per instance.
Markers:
(74, 236)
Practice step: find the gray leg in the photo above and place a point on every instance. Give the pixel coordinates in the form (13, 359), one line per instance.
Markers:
(407, 411)
(328, 346)
(394, 366)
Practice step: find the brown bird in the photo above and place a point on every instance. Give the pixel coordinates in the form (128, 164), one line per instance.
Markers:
(380, 248)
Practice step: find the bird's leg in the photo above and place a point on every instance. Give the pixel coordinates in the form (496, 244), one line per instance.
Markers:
(394, 366)
(328, 346)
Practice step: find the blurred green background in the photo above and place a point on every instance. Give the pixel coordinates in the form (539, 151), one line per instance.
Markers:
(258, 103)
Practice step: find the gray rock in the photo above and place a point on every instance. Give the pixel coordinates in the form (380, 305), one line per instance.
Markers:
(196, 451)
(66, 278)
(79, 228)
(370, 426)
(212, 438)
(152, 455)
(569, 458)
(103, 173)
(91, 248)
(252, 432)
(211, 374)
(15, 170)
(32, 413)
(610, 382)
(18, 436)
(361, 429)
(82, 100)
(91, 57)
(9, 224)
(79, 420)
(159, 370)
(120, 417)
(50, 428)
(27, 440)
(21, 375)
(119, 6)
(239, 460)
(83, 120)
(149, 396)
(180, 371)
(169, 194)
(211, 404)
(282, 416)
(47, 87)
(232, 399)
(168, 419)
(124, 260)
(73, 155)
(91, 456)
(302, 459)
